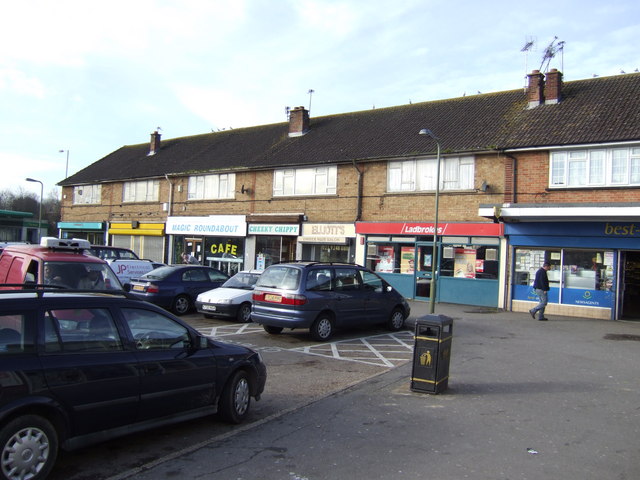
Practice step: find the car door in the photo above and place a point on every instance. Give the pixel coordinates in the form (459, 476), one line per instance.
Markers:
(175, 377)
(349, 305)
(198, 280)
(88, 369)
(376, 300)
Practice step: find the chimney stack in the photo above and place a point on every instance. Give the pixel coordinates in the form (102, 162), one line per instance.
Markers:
(535, 90)
(553, 86)
(298, 122)
(154, 146)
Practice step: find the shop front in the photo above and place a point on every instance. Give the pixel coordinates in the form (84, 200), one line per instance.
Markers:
(146, 239)
(467, 262)
(218, 241)
(274, 243)
(328, 242)
(94, 232)
(595, 267)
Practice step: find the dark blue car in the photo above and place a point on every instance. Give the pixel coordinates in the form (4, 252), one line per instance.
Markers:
(175, 287)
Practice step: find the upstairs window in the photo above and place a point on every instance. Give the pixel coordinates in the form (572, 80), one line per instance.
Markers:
(595, 168)
(212, 187)
(305, 181)
(456, 173)
(144, 191)
(87, 195)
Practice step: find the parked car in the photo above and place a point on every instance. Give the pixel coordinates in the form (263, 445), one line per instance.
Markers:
(323, 297)
(79, 368)
(175, 287)
(61, 262)
(232, 299)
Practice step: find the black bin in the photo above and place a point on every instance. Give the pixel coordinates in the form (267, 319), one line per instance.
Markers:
(431, 354)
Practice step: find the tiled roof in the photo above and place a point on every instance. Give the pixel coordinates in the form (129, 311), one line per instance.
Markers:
(597, 110)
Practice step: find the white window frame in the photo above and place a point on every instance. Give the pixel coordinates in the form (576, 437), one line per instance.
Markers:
(141, 191)
(307, 181)
(595, 167)
(456, 173)
(87, 195)
(212, 187)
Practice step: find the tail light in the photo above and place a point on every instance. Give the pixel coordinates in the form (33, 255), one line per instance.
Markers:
(153, 288)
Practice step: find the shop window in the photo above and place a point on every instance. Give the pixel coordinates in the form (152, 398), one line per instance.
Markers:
(391, 257)
(469, 261)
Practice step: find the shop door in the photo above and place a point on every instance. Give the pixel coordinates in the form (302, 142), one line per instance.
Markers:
(193, 246)
(630, 286)
(424, 256)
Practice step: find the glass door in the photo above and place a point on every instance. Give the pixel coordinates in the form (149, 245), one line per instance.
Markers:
(424, 257)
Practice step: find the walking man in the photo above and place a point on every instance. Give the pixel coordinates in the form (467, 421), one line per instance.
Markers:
(541, 286)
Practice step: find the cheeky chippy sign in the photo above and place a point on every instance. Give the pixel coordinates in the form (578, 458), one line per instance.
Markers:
(215, 225)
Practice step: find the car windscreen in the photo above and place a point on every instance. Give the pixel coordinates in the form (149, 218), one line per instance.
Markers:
(81, 275)
(286, 278)
(242, 280)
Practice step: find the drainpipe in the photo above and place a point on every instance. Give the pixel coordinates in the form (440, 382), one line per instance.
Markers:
(359, 207)
(170, 195)
(514, 177)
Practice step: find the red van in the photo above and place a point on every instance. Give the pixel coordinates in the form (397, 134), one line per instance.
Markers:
(58, 262)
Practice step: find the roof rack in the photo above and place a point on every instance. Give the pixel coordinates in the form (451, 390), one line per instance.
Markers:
(65, 244)
(42, 289)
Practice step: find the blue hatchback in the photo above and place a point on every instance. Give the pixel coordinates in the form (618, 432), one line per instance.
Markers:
(175, 287)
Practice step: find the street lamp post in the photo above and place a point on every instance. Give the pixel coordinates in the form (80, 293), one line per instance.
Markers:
(40, 207)
(66, 167)
(434, 253)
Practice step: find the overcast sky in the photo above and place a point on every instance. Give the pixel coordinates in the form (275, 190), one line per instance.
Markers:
(88, 77)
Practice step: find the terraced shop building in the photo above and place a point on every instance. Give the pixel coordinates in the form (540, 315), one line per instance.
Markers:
(361, 187)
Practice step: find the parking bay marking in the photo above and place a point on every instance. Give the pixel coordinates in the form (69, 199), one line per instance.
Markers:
(386, 350)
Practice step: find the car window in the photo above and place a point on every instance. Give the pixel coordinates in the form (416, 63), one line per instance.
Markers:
(80, 330)
(242, 280)
(287, 278)
(347, 279)
(12, 334)
(216, 276)
(372, 281)
(318, 280)
(196, 275)
(154, 331)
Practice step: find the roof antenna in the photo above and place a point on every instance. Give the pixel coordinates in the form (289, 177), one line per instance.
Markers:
(310, 92)
(552, 49)
(529, 44)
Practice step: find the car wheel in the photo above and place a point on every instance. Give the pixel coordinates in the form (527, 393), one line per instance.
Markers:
(322, 328)
(244, 313)
(181, 305)
(396, 320)
(272, 330)
(29, 448)
(236, 398)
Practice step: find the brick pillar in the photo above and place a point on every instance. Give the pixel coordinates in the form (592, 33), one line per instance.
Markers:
(535, 90)
(298, 122)
(553, 87)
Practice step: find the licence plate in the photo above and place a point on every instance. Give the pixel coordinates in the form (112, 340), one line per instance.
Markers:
(270, 297)
(211, 308)
(138, 288)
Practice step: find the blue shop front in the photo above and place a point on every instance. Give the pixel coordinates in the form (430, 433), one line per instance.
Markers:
(595, 267)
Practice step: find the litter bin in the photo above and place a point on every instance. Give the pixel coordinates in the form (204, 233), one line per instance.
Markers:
(431, 354)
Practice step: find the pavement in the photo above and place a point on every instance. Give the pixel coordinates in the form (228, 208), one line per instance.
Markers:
(526, 400)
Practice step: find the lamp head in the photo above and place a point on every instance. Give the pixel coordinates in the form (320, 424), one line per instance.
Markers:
(426, 131)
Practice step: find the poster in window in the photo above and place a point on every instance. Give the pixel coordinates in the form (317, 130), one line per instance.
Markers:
(407, 260)
(465, 263)
(386, 262)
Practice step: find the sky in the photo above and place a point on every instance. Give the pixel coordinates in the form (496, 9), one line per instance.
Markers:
(80, 79)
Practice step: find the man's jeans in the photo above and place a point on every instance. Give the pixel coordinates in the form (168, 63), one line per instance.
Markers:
(543, 296)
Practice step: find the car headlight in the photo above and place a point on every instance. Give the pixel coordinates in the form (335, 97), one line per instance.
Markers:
(224, 301)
